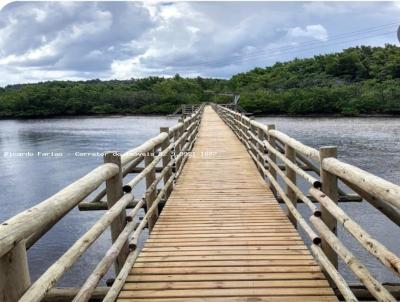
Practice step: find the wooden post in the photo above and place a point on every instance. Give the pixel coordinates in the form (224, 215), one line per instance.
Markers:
(261, 137)
(251, 140)
(241, 129)
(271, 141)
(14, 274)
(177, 135)
(290, 154)
(114, 193)
(151, 196)
(166, 159)
(330, 188)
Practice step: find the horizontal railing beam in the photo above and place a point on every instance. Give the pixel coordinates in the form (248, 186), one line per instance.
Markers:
(362, 293)
(50, 211)
(374, 185)
(382, 194)
(345, 198)
(101, 205)
(66, 294)
(137, 170)
(46, 281)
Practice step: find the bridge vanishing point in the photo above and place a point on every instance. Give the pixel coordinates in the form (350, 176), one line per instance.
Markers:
(213, 187)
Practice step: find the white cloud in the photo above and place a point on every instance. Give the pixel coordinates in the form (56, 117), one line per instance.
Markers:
(66, 35)
(83, 40)
(317, 32)
(321, 8)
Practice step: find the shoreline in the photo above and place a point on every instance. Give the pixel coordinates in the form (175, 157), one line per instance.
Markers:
(116, 115)
(329, 115)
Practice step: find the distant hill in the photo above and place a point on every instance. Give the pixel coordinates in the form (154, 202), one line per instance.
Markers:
(360, 80)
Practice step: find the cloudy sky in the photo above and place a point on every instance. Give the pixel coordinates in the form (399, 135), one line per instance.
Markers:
(42, 41)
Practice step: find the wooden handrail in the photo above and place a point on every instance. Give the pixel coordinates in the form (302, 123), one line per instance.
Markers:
(36, 221)
(39, 289)
(382, 194)
(374, 185)
(102, 267)
(295, 144)
(52, 209)
(312, 180)
(373, 285)
(333, 273)
(131, 184)
(387, 257)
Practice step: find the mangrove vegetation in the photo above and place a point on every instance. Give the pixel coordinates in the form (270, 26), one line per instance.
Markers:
(359, 80)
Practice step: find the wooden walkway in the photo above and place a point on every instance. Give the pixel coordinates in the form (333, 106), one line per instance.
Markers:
(222, 235)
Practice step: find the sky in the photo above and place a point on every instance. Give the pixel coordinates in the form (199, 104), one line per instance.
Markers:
(42, 41)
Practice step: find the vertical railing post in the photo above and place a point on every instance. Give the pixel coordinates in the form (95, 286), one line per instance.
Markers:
(261, 137)
(290, 154)
(240, 127)
(166, 159)
(330, 188)
(236, 119)
(114, 193)
(14, 273)
(243, 127)
(251, 140)
(271, 141)
(151, 195)
(177, 147)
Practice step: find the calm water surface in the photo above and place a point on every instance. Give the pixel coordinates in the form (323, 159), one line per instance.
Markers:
(372, 144)
(27, 180)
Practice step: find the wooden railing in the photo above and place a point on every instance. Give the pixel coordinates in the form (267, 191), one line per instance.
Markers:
(164, 157)
(186, 109)
(279, 156)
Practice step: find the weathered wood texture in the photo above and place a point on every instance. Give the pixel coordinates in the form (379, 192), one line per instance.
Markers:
(114, 193)
(222, 235)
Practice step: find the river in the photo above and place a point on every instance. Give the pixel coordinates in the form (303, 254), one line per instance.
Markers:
(40, 157)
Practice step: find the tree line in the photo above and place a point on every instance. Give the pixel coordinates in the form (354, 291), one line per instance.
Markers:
(359, 80)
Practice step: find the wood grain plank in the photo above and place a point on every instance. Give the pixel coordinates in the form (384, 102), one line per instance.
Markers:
(222, 236)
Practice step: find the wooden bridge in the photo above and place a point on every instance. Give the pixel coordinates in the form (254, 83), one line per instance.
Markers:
(217, 232)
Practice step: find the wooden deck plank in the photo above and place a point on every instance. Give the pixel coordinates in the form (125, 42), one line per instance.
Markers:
(222, 236)
(227, 284)
(226, 292)
(236, 299)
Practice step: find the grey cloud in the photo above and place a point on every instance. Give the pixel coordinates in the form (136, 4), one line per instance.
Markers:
(79, 36)
(70, 40)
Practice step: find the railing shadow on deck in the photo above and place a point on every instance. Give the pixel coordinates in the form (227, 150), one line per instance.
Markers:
(278, 156)
(164, 157)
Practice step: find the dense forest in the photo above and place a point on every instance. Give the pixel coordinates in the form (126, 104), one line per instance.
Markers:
(360, 80)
